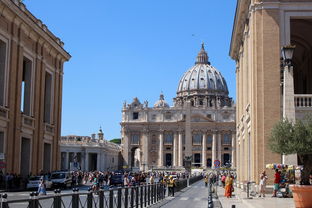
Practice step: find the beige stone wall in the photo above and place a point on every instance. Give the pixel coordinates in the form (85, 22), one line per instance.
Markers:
(27, 36)
(261, 27)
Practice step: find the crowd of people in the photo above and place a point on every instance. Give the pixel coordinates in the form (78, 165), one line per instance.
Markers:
(11, 181)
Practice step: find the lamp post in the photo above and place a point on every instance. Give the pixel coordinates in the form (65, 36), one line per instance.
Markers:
(288, 88)
(288, 92)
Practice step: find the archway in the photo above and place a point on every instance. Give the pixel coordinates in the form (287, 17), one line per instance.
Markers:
(135, 157)
(168, 159)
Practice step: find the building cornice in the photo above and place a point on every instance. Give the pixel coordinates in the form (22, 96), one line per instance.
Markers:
(25, 16)
(241, 13)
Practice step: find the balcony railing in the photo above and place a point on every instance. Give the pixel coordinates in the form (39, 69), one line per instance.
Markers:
(303, 100)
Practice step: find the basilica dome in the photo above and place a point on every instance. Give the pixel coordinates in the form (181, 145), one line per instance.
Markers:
(202, 79)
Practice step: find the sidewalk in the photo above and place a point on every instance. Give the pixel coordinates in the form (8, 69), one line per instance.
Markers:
(240, 200)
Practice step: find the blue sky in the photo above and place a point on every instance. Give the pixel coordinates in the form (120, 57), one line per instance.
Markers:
(125, 49)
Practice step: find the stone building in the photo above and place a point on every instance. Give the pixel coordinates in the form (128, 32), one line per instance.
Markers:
(260, 29)
(31, 76)
(89, 153)
(199, 128)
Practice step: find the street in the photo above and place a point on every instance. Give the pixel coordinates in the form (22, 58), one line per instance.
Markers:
(195, 196)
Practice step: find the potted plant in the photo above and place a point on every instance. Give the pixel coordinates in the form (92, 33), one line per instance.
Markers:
(296, 138)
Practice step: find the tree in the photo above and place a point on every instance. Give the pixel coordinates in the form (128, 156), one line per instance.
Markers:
(116, 141)
(290, 138)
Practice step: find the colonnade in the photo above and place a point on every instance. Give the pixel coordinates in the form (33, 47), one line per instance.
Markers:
(177, 148)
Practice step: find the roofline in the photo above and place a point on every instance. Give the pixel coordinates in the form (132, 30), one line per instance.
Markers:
(22, 12)
(240, 16)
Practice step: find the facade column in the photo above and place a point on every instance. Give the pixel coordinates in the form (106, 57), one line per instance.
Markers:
(175, 148)
(220, 147)
(161, 149)
(214, 148)
(233, 150)
(180, 154)
(204, 151)
(87, 161)
(145, 149)
(67, 160)
(188, 132)
(125, 150)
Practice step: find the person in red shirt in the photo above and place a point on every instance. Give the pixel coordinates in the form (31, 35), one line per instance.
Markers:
(277, 178)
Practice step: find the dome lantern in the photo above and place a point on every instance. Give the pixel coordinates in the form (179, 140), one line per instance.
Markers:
(202, 57)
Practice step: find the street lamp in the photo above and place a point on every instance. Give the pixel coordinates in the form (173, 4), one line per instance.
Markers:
(287, 54)
(288, 90)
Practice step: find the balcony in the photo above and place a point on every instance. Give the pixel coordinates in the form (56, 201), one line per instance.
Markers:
(303, 105)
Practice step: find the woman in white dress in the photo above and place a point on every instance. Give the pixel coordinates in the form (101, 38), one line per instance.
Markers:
(263, 179)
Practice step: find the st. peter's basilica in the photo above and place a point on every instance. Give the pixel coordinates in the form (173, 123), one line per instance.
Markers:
(197, 130)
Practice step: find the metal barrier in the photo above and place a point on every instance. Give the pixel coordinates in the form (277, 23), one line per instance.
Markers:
(128, 197)
(137, 196)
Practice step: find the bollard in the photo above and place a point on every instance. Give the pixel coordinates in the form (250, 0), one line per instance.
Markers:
(57, 201)
(75, 198)
(4, 203)
(126, 197)
(137, 197)
(132, 197)
(141, 196)
(188, 182)
(101, 198)
(149, 194)
(119, 198)
(111, 198)
(89, 199)
(145, 195)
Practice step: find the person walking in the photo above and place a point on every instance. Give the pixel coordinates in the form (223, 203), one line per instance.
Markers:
(171, 185)
(277, 179)
(263, 179)
(206, 180)
(164, 183)
(228, 186)
(42, 187)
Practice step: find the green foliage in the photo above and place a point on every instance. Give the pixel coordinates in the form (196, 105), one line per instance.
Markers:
(289, 138)
(116, 140)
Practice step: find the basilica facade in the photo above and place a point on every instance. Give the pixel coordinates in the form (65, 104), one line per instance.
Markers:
(197, 130)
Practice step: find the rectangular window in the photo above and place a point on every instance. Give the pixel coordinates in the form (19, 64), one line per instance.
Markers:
(227, 139)
(209, 140)
(2, 71)
(197, 139)
(168, 138)
(26, 87)
(47, 157)
(47, 97)
(168, 116)
(135, 139)
(135, 116)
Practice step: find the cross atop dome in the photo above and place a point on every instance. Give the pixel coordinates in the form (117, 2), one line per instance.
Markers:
(202, 57)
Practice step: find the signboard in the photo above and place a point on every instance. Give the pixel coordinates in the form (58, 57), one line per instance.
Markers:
(217, 163)
(1, 156)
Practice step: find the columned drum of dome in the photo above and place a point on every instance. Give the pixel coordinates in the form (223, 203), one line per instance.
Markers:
(203, 84)
(196, 130)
